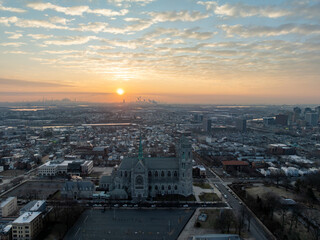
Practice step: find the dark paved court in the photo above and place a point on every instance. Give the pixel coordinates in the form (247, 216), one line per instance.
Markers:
(135, 224)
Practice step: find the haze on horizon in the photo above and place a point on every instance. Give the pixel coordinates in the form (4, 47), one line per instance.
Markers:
(182, 51)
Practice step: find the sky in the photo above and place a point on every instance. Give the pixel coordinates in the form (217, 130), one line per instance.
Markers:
(170, 51)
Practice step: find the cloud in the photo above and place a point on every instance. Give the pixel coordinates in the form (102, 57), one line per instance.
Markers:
(108, 12)
(75, 40)
(92, 27)
(14, 35)
(172, 16)
(61, 52)
(59, 20)
(16, 52)
(7, 20)
(120, 3)
(11, 9)
(291, 9)
(184, 34)
(25, 83)
(76, 10)
(26, 23)
(266, 31)
(244, 10)
(140, 25)
(40, 36)
(12, 44)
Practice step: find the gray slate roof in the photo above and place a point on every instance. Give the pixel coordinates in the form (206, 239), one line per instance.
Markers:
(151, 163)
(106, 179)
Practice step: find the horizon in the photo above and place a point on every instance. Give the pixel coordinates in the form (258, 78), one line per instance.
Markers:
(195, 52)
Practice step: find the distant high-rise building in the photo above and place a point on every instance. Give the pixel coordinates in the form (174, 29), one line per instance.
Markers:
(297, 110)
(282, 119)
(318, 110)
(197, 117)
(207, 125)
(312, 118)
(268, 121)
(307, 110)
(241, 125)
(296, 114)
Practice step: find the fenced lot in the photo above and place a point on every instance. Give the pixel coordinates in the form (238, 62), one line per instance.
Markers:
(131, 224)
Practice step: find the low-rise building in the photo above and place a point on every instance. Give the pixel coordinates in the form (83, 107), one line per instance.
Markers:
(235, 165)
(27, 226)
(6, 232)
(34, 206)
(199, 171)
(281, 149)
(61, 167)
(78, 189)
(8, 206)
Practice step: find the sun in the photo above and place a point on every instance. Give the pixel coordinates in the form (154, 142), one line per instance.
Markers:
(120, 91)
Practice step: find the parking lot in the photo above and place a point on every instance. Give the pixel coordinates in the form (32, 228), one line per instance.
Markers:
(35, 189)
(116, 224)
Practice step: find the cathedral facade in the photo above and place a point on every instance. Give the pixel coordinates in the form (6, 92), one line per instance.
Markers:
(141, 178)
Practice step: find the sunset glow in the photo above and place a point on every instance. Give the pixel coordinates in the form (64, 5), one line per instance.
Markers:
(120, 91)
(190, 51)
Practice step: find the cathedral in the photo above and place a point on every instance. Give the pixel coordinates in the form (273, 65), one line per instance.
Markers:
(141, 178)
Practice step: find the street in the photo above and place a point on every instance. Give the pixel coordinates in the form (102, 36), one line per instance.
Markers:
(257, 229)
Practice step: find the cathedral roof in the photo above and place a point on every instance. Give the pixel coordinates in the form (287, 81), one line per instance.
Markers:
(151, 163)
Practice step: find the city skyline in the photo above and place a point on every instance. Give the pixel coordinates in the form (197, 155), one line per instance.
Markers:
(218, 52)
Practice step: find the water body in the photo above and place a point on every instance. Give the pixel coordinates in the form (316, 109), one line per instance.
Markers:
(27, 109)
(108, 124)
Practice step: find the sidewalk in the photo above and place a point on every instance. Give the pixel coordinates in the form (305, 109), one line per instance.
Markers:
(189, 230)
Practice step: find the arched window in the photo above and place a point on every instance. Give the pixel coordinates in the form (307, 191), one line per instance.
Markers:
(169, 187)
(156, 187)
(149, 174)
(139, 180)
(175, 174)
(162, 187)
(169, 174)
(156, 174)
(125, 174)
(175, 187)
(162, 173)
(121, 174)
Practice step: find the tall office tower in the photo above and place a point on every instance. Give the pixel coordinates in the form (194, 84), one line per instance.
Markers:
(282, 119)
(307, 110)
(207, 125)
(296, 114)
(241, 124)
(318, 111)
(312, 118)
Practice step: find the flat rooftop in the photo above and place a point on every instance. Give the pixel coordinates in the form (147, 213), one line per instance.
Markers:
(133, 224)
(27, 217)
(6, 201)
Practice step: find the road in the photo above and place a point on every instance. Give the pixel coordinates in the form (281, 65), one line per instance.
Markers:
(257, 229)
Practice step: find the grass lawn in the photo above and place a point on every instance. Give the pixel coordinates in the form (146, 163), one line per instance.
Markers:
(254, 191)
(202, 185)
(212, 216)
(208, 197)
